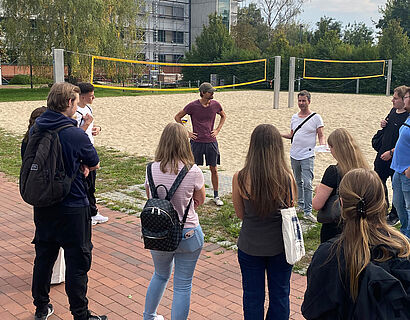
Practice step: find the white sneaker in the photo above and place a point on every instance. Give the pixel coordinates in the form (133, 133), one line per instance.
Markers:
(218, 201)
(310, 217)
(98, 218)
(159, 317)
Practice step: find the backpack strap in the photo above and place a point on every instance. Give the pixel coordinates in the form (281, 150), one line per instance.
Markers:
(177, 182)
(152, 188)
(63, 127)
(186, 213)
(300, 126)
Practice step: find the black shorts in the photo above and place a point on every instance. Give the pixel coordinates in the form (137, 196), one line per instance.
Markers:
(209, 149)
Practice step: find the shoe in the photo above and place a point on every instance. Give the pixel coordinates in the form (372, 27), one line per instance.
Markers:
(98, 218)
(50, 311)
(95, 317)
(218, 201)
(159, 317)
(392, 221)
(310, 217)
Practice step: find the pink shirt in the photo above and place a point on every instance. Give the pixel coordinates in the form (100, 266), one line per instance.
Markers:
(194, 180)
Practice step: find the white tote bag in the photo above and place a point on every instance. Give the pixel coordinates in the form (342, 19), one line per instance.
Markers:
(292, 233)
(58, 275)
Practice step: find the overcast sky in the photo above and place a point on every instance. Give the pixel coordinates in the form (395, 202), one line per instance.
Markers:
(342, 10)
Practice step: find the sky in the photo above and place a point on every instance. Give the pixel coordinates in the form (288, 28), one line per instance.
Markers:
(346, 11)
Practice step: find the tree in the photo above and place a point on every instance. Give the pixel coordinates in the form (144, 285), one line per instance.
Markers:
(326, 25)
(393, 41)
(34, 27)
(212, 43)
(357, 34)
(396, 10)
(279, 12)
(251, 31)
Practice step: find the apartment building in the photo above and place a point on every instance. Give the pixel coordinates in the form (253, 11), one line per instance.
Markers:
(173, 25)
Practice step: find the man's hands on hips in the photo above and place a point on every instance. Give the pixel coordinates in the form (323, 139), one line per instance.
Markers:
(214, 133)
(192, 135)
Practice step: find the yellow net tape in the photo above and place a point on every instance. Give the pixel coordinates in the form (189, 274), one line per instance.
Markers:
(343, 61)
(93, 58)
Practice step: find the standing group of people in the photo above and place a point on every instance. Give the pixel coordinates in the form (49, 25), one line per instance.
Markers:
(353, 249)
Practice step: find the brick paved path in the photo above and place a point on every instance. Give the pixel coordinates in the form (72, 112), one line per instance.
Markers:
(120, 271)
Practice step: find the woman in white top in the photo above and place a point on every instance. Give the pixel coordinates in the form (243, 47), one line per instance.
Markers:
(172, 154)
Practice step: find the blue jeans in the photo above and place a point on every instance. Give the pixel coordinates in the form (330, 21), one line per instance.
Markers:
(401, 200)
(303, 172)
(184, 258)
(278, 272)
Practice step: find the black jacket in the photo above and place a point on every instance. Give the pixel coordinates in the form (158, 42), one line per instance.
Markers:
(384, 289)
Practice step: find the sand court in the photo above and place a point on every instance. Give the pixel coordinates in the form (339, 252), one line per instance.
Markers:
(134, 124)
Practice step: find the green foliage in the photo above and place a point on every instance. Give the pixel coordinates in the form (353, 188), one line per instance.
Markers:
(33, 28)
(396, 10)
(393, 41)
(325, 26)
(25, 79)
(357, 34)
(10, 161)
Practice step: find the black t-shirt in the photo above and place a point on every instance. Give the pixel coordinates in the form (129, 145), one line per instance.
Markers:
(331, 178)
(391, 131)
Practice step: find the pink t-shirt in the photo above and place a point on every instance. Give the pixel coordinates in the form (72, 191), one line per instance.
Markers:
(194, 180)
(203, 119)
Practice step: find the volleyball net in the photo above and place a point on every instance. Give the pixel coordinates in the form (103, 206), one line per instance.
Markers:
(124, 74)
(317, 69)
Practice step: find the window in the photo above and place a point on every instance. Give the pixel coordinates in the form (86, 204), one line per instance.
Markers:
(159, 35)
(177, 58)
(161, 58)
(178, 37)
(178, 12)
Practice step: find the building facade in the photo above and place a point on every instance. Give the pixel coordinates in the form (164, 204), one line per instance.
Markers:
(172, 25)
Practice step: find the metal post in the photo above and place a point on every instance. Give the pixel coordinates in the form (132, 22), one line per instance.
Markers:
(291, 89)
(389, 69)
(189, 83)
(233, 81)
(357, 86)
(276, 84)
(197, 83)
(58, 65)
(299, 84)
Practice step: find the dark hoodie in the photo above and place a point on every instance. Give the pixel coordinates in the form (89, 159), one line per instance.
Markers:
(77, 148)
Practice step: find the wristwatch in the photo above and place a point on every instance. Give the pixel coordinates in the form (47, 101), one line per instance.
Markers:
(391, 152)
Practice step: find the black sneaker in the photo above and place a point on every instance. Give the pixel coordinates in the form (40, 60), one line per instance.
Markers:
(50, 311)
(392, 221)
(95, 317)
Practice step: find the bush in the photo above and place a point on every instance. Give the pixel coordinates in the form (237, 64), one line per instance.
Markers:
(25, 79)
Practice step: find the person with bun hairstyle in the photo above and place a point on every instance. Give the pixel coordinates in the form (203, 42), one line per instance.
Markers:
(363, 274)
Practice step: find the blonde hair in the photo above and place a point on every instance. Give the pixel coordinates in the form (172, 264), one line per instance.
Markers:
(173, 147)
(266, 171)
(401, 91)
(346, 151)
(367, 228)
(60, 94)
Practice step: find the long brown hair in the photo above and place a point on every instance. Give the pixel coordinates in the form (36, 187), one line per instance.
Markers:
(346, 151)
(365, 226)
(266, 171)
(173, 147)
(34, 115)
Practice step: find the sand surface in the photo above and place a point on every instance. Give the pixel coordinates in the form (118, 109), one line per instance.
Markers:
(134, 124)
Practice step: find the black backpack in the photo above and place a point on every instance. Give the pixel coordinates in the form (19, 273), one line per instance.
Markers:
(160, 224)
(43, 180)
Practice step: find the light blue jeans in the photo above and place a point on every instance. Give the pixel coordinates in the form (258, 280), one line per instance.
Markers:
(303, 172)
(401, 201)
(185, 259)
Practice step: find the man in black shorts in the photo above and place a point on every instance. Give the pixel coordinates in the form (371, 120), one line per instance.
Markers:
(203, 138)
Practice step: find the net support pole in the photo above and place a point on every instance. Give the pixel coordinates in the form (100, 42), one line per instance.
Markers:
(357, 85)
(389, 69)
(291, 90)
(276, 85)
(58, 65)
